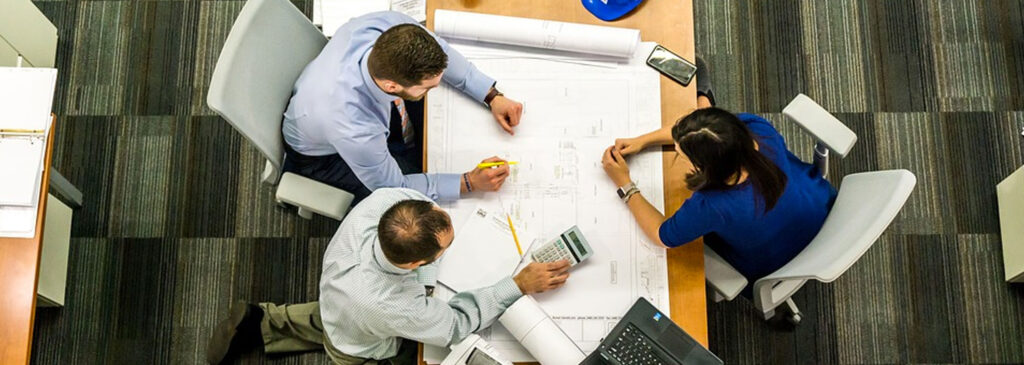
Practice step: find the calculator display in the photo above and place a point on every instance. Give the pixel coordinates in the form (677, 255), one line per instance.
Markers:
(576, 241)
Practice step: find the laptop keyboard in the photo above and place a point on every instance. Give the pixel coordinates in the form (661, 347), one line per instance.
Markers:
(632, 347)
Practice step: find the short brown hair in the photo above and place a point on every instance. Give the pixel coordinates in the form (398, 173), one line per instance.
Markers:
(408, 231)
(406, 54)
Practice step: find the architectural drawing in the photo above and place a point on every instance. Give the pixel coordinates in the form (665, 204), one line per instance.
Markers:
(572, 113)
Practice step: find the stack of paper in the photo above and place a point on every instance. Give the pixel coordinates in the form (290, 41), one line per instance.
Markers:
(26, 97)
(483, 252)
(332, 14)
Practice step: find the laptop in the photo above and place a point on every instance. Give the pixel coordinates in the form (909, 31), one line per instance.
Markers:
(646, 336)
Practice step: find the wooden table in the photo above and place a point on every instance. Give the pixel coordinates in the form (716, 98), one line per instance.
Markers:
(19, 273)
(669, 23)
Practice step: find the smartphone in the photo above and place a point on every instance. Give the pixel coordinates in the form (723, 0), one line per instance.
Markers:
(671, 65)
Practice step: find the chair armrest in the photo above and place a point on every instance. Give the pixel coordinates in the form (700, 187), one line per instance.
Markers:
(313, 195)
(722, 277)
(821, 124)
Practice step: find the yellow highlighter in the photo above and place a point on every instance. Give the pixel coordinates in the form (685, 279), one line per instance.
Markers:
(514, 237)
(492, 164)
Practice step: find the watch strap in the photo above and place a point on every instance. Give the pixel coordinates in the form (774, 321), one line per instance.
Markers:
(491, 95)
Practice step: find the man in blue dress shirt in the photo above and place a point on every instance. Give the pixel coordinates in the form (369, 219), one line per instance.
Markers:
(355, 119)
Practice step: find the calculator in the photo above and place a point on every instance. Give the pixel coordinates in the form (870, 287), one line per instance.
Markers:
(570, 245)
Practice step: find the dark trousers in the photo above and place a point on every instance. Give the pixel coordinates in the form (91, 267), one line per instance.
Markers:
(334, 171)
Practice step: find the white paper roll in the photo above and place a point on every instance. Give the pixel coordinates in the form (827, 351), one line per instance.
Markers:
(532, 327)
(572, 37)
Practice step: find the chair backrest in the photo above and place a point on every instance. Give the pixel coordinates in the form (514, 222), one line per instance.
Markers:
(269, 45)
(866, 204)
(820, 123)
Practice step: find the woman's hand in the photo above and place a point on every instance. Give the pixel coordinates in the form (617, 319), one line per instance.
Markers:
(629, 146)
(615, 166)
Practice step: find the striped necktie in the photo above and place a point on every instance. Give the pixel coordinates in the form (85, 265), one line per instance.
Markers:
(407, 130)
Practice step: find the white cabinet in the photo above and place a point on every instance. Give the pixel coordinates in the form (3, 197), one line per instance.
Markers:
(1010, 193)
(25, 31)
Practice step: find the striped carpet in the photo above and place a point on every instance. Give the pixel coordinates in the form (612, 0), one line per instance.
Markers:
(175, 224)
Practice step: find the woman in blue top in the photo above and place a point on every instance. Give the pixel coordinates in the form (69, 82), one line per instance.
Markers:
(754, 202)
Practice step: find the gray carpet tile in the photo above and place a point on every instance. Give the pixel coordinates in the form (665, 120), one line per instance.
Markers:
(176, 225)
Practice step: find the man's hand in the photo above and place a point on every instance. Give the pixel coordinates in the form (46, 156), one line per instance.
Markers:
(489, 178)
(629, 146)
(507, 112)
(539, 277)
(615, 166)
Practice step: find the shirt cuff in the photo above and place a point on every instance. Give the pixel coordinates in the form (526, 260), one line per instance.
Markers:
(478, 84)
(427, 275)
(448, 187)
(507, 292)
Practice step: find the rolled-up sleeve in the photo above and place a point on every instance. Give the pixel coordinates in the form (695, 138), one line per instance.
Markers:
(441, 323)
(368, 156)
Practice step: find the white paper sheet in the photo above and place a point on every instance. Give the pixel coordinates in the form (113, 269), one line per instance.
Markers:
(21, 167)
(416, 9)
(573, 37)
(334, 13)
(483, 252)
(572, 112)
(26, 97)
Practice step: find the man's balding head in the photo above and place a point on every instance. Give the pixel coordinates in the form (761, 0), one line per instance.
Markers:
(411, 231)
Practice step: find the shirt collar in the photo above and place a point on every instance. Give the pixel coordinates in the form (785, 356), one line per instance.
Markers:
(382, 261)
(375, 91)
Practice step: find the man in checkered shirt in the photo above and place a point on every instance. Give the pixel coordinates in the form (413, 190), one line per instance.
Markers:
(375, 291)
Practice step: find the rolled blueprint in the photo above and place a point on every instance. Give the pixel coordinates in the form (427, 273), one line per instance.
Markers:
(532, 327)
(572, 37)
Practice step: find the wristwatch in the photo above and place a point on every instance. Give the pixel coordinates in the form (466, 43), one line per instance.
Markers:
(626, 191)
(491, 95)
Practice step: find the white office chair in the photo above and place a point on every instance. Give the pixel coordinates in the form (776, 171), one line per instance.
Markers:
(866, 204)
(268, 47)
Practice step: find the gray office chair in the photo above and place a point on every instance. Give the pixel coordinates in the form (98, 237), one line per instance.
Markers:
(866, 204)
(268, 47)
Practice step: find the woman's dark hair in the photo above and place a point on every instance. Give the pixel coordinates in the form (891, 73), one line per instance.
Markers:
(721, 147)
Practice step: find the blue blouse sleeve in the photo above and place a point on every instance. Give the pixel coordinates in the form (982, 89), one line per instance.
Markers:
(694, 218)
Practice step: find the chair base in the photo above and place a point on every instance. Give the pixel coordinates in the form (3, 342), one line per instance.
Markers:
(793, 314)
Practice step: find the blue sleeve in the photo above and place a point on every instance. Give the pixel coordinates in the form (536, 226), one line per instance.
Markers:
(463, 75)
(694, 219)
(366, 152)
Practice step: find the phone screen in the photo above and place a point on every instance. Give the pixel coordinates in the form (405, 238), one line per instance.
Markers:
(672, 65)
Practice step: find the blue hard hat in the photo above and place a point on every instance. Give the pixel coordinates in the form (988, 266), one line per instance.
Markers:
(609, 10)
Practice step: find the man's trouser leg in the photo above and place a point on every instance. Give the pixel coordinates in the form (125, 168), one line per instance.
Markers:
(291, 327)
(298, 328)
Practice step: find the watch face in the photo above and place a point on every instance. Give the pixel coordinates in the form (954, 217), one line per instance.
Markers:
(622, 194)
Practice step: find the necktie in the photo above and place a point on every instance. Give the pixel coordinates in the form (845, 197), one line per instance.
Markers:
(407, 130)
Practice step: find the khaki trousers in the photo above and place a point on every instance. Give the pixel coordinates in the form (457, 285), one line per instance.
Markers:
(298, 328)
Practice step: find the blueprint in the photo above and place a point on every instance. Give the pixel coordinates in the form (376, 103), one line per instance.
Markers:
(572, 112)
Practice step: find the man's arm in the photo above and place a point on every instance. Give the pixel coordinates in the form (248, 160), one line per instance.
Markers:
(441, 323)
(435, 322)
(463, 75)
(368, 156)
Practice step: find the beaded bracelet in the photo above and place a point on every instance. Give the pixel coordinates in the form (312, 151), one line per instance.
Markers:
(465, 178)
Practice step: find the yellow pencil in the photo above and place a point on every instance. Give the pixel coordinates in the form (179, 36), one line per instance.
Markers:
(514, 237)
(492, 164)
